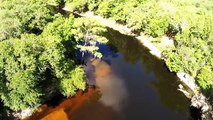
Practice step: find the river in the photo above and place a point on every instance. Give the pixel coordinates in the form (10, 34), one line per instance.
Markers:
(131, 85)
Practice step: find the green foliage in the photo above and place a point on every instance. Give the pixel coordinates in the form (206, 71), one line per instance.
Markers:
(9, 26)
(188, 22)
(104, 8)
(76, 5)
(64, 28)
(19, 77)
(19, 16)
(80, 32)
(29, 63)
(174, 62)
(205, 78)
(54, 2)
(23, 65)
(73, 82)
(193, 50)
(89, 33)
(58, 39)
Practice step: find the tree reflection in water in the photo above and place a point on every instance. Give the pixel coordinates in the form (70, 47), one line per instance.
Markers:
(166, 83)
(124, 90)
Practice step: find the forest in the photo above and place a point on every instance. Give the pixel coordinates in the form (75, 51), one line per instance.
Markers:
(39, 44)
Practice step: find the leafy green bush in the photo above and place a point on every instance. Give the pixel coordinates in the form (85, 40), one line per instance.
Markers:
(74, 81)
(205, 78)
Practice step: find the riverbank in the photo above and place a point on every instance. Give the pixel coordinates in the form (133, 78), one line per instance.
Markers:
(128, 91)
(188, 86)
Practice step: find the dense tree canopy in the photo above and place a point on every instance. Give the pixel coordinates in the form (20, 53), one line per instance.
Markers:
(38, 46)
(38, 52)
(19, 16)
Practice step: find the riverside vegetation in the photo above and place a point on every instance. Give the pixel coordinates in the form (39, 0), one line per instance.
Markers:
(187, 22)
(38, 45)
(38, 52)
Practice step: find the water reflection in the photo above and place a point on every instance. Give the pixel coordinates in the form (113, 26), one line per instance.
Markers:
(108, 98)
(165, 83)
(113, 89)
(132, 84)
(114, 92)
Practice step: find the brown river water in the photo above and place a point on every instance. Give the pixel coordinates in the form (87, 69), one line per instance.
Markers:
(131, 84)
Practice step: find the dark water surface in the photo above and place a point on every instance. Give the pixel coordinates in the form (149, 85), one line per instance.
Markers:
(132, 85)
